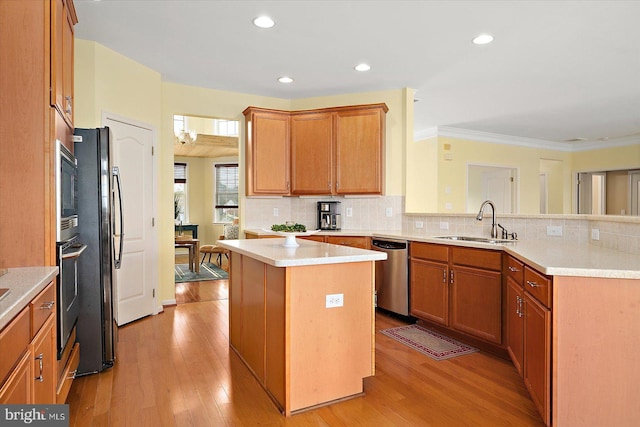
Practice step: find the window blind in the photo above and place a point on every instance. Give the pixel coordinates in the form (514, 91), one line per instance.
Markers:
(180, 173)
(226, 185)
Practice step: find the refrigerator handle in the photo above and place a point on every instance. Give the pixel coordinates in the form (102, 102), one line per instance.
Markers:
(116, 175)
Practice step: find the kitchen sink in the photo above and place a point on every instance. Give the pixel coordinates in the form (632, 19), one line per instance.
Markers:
(477, 239)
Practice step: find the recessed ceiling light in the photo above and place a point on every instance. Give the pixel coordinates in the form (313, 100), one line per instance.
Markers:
(263, 22)
(483, 39)
(285, 79)
(362, 67)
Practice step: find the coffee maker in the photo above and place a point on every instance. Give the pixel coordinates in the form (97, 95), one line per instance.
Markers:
(329, 215)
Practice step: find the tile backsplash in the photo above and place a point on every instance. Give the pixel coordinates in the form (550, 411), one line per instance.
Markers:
(386, 213)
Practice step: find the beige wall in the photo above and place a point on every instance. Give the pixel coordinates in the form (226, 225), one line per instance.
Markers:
(446, 159)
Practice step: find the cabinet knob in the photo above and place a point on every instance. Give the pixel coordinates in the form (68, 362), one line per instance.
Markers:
(69, 106)
(532, 284)
(513, 269)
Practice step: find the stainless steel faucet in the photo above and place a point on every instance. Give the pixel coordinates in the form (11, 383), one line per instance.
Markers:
(494, 227)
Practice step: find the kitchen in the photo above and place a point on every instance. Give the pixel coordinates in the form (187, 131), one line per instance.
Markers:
(106, 80)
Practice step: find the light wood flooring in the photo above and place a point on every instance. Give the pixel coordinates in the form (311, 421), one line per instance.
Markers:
(176, 369)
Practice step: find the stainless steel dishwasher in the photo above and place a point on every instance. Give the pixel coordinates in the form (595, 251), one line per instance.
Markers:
(392, 275)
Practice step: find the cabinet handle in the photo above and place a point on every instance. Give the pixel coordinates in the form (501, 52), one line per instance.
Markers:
(72, 375)
(69, 107)
(39, 359)
(513, 269)
(444, 275)
(518, 305)
(47, 305)
(521, 308)
(451, 276)
(532, 284)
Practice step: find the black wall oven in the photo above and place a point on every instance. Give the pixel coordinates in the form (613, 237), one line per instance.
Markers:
(68, 299)
(66, 193)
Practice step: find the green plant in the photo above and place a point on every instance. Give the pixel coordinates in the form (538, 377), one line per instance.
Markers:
(177, 208)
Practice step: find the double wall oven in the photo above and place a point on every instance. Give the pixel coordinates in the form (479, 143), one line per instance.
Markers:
(69, 248)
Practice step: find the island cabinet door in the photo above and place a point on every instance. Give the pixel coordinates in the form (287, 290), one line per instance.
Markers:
(275, 345)
(235, 301)
(252, 321)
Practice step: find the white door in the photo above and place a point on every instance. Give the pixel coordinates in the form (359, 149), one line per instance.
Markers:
(498, 185)
(634, 192)
(132, 152)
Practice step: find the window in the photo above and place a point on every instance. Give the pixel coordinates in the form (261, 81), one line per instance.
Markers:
(226, 196)
(180, 192)
(225, 127)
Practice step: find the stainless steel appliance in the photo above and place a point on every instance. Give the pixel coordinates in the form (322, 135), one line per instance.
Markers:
(66, 167)
(68, 255)
(329, 215)
(392, 275)
(100, 213)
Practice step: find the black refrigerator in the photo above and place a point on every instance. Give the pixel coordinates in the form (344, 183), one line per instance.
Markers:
(100, 228)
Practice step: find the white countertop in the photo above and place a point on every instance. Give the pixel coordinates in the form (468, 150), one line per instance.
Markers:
(24, 284)
(272, 252)
(549, 256)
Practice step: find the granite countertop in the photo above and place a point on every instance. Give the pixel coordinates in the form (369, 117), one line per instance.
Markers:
(272, 252)
(548, 256)
(24, 284)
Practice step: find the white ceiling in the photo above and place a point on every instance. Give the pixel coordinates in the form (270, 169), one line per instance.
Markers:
(557, 70)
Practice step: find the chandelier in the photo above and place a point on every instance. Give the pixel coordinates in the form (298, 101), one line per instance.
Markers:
(187, 137)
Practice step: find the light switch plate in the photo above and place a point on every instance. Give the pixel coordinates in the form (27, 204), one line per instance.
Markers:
(388, 212)
(444, 225)
(349, 211)
(275, 212)
(419, 224)
(554, 230)
(595, 234)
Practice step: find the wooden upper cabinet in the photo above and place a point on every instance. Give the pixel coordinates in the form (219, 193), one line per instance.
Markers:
(63, 18)
(311, 153)
(333, 151)
(360, 150)
(267, 152)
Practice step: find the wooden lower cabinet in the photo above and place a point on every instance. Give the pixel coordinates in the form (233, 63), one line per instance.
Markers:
(460, 288)
(43, 353)
(476, 302)
(361, 242)
(429, 282)
(28, 363)
(278, 322)
(17, 388)
(537, 360)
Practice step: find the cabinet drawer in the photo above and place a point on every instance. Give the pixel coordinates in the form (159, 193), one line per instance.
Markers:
(68, 375)
(515, 269)
(14, 340)
(42, 306)
(538, 285)
(353, 241)
(486, 259)
(429, 251)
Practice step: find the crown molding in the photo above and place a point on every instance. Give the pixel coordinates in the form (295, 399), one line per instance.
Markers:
(474, 135)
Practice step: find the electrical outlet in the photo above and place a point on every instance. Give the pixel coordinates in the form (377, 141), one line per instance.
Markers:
(275, 212)
(419, 224)
(349, 211)
(388, 212)
(334, 300)
(595, 234)
(554, 230)
(448, 206)
(444, 225)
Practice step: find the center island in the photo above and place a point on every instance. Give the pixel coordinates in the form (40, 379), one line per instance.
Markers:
(302, 318)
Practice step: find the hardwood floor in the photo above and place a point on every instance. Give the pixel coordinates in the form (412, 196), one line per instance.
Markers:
(201, 291)
(176, 369)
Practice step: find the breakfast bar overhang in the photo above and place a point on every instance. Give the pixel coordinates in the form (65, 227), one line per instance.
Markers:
(302, 318)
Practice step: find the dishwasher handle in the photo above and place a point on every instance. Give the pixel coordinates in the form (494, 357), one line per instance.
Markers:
(388, 245)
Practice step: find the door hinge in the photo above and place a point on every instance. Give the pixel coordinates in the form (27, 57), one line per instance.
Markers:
(153, 222)
(152, 150)
(154, 293)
